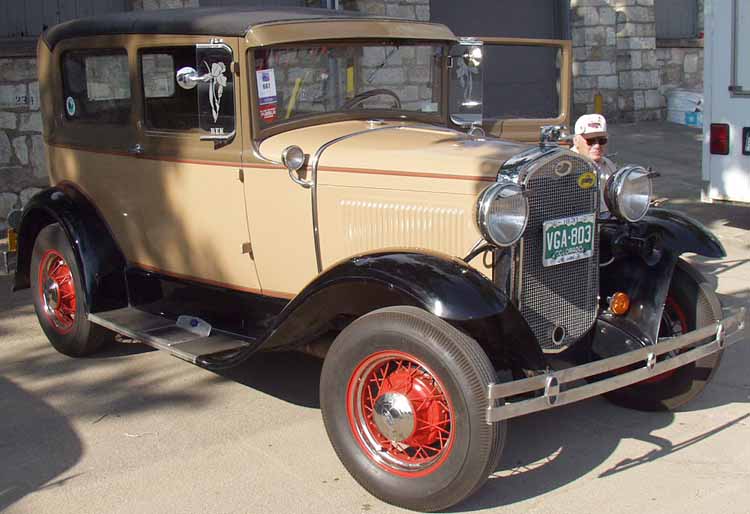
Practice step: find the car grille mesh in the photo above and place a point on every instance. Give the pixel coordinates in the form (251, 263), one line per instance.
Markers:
(566, 294)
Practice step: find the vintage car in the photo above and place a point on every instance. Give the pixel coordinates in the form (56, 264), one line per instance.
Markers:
(230, 181)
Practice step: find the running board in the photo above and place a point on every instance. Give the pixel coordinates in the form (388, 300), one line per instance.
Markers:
(164, 334)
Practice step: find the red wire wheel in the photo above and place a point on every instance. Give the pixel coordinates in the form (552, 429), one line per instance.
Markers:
(57, 291)
(673, 324)
(400, 414)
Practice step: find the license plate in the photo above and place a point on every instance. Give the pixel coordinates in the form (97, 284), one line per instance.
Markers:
(568, 239)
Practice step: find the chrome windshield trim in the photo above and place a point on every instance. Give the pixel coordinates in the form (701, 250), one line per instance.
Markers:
(552, 385)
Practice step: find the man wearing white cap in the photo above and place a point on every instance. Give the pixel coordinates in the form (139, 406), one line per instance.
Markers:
(591, 140)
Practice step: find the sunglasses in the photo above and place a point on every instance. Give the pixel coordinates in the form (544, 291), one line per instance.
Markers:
(601, 141)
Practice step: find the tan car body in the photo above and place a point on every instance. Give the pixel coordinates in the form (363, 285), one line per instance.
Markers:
(231, 216)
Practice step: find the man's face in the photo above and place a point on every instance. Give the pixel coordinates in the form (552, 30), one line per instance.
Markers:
(593, 147)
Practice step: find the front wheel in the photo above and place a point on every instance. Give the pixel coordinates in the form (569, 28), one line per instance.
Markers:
(404, 401)
(690, 305)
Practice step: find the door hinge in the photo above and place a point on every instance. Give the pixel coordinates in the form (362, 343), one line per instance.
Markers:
(236, 68)
(241, 175)
(248, 249)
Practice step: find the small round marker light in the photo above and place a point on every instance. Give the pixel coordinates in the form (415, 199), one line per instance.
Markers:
(619, 303)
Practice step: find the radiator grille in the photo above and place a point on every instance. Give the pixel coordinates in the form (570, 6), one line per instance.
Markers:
(564, 295)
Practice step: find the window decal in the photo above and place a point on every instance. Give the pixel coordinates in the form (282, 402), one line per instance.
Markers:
(216, 86)
(267, 100)
(70, 106)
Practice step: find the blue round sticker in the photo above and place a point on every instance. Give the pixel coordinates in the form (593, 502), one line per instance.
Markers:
(70, 106)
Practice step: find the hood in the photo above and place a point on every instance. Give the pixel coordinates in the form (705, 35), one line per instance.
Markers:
(399, 147)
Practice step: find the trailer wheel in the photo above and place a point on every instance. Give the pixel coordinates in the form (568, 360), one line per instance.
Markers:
(404, 397)
(59, 301)
(688, 307)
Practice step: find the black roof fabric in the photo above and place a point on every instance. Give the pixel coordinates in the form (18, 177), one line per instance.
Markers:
(219, 21)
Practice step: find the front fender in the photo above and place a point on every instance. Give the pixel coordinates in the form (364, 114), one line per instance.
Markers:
(445, 286)
(100, 260)
(679, 233)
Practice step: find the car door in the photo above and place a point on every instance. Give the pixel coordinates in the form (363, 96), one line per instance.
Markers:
(187, 213)
(527, 84)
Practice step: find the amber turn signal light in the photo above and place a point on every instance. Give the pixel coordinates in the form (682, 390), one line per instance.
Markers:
(619, 304)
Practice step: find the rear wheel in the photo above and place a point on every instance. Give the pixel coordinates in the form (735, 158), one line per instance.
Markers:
(689, 306)
(59, 301)
(404, 399)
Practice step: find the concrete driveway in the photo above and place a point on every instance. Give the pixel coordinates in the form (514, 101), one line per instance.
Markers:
(135, 430)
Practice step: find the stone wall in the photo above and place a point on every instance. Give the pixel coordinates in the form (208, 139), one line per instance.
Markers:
(681, 66)
(615, 56)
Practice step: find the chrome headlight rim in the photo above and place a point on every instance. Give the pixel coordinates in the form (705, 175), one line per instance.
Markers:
(484, 203)
(613, 192)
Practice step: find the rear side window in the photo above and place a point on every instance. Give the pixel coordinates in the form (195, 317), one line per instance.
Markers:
(168, 106)
(96, 86)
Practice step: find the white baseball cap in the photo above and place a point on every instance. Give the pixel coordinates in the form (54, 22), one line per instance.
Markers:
(591, 124)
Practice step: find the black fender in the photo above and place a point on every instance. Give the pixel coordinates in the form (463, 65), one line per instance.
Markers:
(445, 286)
(647, 253)
(99, 257)
(679, 233)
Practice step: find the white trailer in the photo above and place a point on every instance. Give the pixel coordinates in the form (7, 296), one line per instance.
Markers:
(726, 147)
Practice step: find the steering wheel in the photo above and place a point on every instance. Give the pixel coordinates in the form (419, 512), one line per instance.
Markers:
(358, 99)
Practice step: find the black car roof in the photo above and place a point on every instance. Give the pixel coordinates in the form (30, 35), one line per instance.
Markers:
(218, 21)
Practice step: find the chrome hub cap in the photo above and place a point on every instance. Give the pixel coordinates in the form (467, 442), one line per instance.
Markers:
(51, 295)
(394, 416)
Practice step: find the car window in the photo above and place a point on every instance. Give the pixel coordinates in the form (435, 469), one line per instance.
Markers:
(166, 105)
(96, 86)
(300, 81)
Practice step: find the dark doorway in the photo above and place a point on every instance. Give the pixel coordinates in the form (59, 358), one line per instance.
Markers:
(520, 82)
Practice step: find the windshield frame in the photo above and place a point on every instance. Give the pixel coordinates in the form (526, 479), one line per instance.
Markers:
(261, 131)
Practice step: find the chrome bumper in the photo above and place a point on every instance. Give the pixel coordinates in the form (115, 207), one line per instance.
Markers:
(560, 388)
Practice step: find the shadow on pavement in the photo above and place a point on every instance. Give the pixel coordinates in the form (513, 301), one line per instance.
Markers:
(37, 444)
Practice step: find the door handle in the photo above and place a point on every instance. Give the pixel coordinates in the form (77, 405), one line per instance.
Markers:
(136, 149)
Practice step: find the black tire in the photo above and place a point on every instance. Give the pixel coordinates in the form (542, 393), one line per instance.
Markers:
(690, 305)
(64, 321)
(427, 473)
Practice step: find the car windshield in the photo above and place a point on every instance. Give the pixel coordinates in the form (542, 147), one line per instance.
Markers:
(396, 79)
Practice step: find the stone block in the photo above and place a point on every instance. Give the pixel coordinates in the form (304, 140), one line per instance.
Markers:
(5, 149)
(34, 96)
(639, 100)
(654, 99)
(30, 122)
(27, 194)
(423, 12)
(608, 82)
(691, 63)
(21, 149)
(17, 70)
(584, 82)
(597, 68)
(582, 96)
(419, 74)
(8, 120)
(589, 15)
(638, 14)
(38, 156)
(595, 36)
(606, 16)
(582, 53)
(636, 43)
(639, 79)
(13, 95)
(8, 202)
(401, 11)
(649, 60)
(611, 36)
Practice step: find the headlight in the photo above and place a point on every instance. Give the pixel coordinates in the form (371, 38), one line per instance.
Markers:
(628, 193)
(502, 213)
